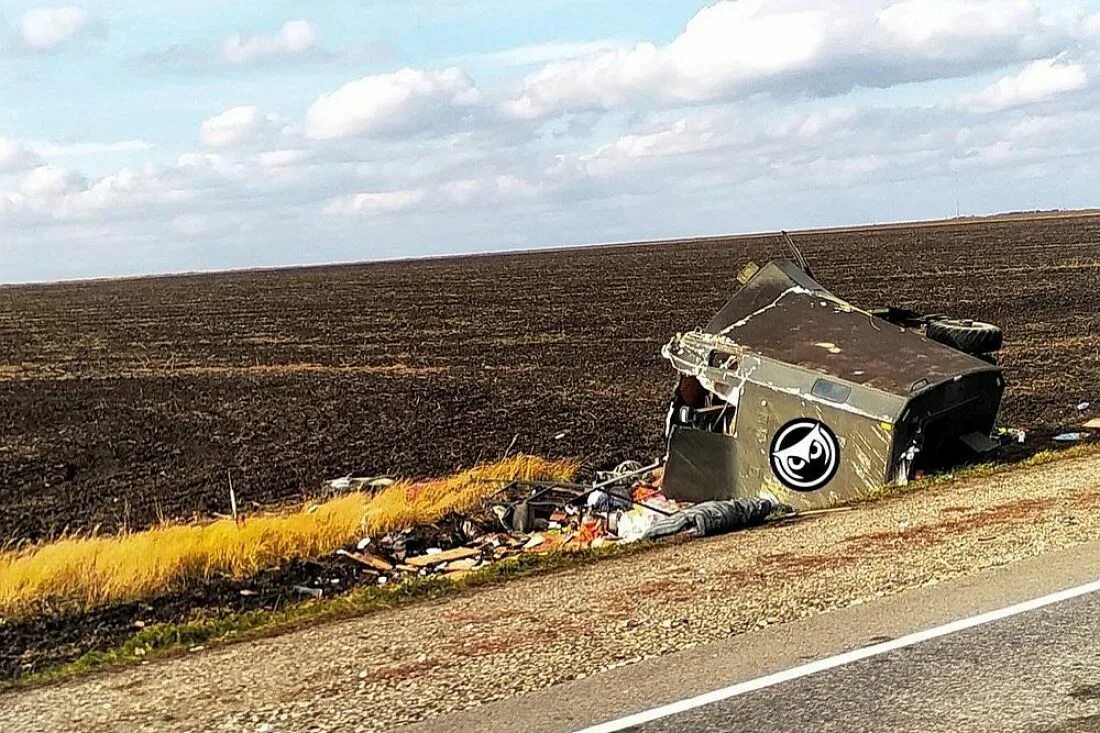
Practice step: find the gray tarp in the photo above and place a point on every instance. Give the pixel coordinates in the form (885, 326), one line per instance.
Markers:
(714, 517)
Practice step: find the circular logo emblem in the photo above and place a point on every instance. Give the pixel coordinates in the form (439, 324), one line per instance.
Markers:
(805, 454)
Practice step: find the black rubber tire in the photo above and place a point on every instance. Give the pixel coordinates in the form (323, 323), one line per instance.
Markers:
(972, 337)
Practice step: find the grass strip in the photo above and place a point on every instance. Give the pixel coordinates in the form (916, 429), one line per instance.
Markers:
(83, 573)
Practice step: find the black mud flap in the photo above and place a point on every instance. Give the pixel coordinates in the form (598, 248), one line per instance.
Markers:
(701, 466)
(979, 443)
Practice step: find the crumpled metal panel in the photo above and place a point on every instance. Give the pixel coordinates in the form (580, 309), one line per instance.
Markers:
(701, 465)
(784, 314)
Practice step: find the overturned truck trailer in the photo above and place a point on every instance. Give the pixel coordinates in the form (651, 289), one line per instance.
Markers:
(792, 391)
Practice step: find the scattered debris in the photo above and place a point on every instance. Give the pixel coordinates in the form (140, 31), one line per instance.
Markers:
(307, 591)
(633, 525)
(1069, 437)
(603, 501)
(351, 484)
(1093, 424)
(1082, 406)
(233, 499)
(1012, 435)
(621, 505)
(395, 544)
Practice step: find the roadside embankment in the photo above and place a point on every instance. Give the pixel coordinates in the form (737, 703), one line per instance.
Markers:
(418, 661)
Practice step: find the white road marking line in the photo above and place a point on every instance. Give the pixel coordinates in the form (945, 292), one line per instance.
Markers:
(821, 665)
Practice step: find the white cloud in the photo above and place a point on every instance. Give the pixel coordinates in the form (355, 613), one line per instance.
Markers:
(733, 49)
(540, 53)
(818, 122)
(51, 149)
(201, 162)
(1091, 24)
(46, 181)
(235, 126)
(496, 189)
(128, 186)
(936, 27)
(463, 191)
(16, 157)
(406, 101)
(1038, 81)
(283, 159)
(295, 38)
(202, 169)
(513, 186)
(51, 193)
(11, 202)
(192, 225)
(44, 29)
(456, 194)
(383, 202)
(683, 138)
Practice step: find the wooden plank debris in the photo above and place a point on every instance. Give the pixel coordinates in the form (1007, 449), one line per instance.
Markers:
(457, 553)
(369, 559)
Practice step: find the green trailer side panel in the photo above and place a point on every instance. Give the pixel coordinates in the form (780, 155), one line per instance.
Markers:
(864, 447)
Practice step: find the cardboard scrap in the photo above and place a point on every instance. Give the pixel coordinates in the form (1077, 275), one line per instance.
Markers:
(466, 563)
(457, 553)
(1093, 424)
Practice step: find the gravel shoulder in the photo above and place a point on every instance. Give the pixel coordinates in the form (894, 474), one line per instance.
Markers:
(414, 663)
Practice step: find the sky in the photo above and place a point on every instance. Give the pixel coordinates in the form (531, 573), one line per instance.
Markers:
(143, 137)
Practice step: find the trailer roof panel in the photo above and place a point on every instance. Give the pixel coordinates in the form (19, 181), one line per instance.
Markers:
(783, 314)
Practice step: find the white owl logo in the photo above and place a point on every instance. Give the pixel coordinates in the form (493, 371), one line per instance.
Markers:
(805, 455)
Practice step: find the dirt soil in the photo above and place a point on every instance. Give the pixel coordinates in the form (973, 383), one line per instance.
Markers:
(419, 662)
(125, 401)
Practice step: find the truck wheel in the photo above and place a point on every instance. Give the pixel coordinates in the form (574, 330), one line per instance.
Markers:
(972, 337)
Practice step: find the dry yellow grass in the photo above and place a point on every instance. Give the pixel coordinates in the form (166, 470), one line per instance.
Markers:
(404, 505)
(86, 572)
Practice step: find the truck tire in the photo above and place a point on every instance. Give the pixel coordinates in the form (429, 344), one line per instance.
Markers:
(972, 337)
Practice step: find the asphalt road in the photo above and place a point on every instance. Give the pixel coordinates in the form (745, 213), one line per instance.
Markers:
(1036, 671)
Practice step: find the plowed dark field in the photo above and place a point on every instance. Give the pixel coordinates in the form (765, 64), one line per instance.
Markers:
(125, 401)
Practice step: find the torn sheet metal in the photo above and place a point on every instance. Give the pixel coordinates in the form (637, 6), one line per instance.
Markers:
(792, 391)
